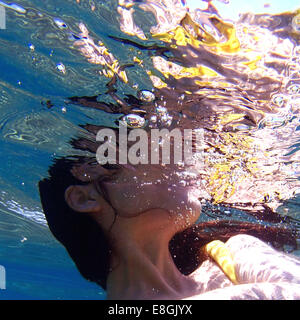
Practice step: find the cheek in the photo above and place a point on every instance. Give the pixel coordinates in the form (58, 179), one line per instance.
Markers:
(135, 200)
(181, 203)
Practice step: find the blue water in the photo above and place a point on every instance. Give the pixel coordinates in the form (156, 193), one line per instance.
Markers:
(37, 266)
(31, 135)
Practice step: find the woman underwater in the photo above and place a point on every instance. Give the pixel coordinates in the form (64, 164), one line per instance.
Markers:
(134, 229)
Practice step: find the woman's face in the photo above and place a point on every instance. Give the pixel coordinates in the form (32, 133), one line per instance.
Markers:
(133, 190)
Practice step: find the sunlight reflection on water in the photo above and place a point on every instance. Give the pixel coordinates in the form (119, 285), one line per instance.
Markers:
(246, 75)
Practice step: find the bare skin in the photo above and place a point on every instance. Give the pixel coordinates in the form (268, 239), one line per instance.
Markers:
(142, 267)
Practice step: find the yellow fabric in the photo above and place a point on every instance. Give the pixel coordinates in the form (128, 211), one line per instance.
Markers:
(221, 255)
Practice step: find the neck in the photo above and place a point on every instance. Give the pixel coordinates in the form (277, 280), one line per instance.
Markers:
(142, 266)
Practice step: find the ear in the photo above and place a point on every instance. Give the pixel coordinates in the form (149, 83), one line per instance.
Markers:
(82, 199)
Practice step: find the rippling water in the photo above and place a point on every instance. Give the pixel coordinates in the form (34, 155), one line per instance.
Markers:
(67, 63)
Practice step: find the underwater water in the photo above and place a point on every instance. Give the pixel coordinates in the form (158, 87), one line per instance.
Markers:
(243, 64)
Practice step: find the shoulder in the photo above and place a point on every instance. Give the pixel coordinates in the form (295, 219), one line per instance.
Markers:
(256, 261)
(253, 291)
(209, 277)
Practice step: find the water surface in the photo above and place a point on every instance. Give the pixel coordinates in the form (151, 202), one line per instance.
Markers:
(245, 70)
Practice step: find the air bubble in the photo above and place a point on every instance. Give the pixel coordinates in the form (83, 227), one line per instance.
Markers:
(61, 68)
(134, 121)
(294, 89)
(278, 100)
(242, 127)
(60, 23)
(31, 46)
(146, 96)
(153, 119)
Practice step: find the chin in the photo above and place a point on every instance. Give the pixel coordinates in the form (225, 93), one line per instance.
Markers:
(180, 201)
(184, 207)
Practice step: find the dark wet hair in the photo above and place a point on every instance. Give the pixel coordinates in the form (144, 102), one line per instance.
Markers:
(83, 238)
(185, 247)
